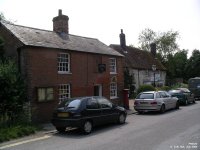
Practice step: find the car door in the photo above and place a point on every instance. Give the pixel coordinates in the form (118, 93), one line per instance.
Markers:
(165, 99)
(93, 111)
(171, 100)
(108, 112)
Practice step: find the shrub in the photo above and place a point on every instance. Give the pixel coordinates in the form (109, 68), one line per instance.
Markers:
(144, 88)
(15, 131)
(164, 88)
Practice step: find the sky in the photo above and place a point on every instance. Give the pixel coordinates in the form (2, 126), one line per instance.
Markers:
(104, 19)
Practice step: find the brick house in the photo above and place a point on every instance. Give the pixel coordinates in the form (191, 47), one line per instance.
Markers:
(58, 65)
(140, 63)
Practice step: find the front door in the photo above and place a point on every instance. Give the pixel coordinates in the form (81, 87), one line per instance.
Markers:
(98, 90)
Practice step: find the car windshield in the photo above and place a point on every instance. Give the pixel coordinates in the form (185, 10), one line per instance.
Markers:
(70, 103)
(184, 90)
(174, 91)
(145, 96)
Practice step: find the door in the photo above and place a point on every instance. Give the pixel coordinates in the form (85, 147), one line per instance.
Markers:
(98, 90)
(108, 112)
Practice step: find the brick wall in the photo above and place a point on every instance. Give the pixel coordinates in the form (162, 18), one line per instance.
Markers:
(42, 72)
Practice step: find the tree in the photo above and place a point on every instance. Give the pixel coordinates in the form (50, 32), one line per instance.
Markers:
(129, 82)
(2, 51)
(1, 16)
(12, 91)
(180, 61)
(192, 68)
(146, 37)
(165, 42)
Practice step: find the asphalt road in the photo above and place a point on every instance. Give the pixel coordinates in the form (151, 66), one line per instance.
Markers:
(173, 130)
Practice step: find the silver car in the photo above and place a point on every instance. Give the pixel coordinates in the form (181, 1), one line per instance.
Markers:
(155, 101)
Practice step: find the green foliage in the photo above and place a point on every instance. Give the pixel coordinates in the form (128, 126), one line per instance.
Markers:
(165, 42)
(144, 88)
(12, 92)
(16, 131)
(146, 37)
(176, 65)
(179, 85)
(128, 82)
(1, 16)
(2, 52)
(164, 88)
(192, 68)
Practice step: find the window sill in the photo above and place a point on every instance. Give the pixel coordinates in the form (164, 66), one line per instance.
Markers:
(60, 72)
(114, 97)
(113, 72)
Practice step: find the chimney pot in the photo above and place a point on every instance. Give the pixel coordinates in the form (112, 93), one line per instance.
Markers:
(59, 12)
(122, 39)
(60, 23)
(153, 49)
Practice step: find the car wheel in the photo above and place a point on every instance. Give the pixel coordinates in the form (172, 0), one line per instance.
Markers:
(87, 127)
(122, 118)
(162, 109)
(194, 101)
(177, 105)
(61, 129)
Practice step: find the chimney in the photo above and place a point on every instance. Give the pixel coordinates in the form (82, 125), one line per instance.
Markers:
(60, 23)
(153, 49)
(122, 39)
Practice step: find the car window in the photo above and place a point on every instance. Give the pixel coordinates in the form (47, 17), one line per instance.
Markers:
(92, 103)
(167, 94)
(104, 103)
(145, 96)
(70, 103)
(158, 95)
(162, 94)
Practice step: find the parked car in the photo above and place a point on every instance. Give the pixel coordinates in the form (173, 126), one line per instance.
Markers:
(155, 101)
(194, 87)
(87, 112)
(184, 95)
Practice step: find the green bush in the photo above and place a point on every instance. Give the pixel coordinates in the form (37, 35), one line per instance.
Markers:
(144, 88)
(164, 88)
(16, 131)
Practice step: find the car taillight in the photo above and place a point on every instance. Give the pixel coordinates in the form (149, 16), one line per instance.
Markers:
(153, 103)
(136, 103)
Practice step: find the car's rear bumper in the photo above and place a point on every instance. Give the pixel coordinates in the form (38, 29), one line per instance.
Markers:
(57, 122)
(147, 108)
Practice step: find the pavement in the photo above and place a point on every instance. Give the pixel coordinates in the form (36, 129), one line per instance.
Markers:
(49, 128)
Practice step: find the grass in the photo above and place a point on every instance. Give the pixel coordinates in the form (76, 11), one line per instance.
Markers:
(16, 131)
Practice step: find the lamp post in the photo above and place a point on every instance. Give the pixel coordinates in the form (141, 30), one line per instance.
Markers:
(154, 70)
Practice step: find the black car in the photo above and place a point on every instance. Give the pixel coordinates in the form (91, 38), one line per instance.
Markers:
(87, 112)
(184, 95)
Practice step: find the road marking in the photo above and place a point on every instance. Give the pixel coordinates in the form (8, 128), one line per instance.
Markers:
(26, 141)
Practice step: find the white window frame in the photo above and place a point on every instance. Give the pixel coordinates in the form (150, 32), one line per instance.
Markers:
(113, 90)
(113, 65)
(63, 63)
(64, 91)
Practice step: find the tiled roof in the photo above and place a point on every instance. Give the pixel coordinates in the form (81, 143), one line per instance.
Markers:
(44, 38)
(138, 59)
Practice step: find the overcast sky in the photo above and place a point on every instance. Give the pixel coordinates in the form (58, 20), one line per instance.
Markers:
(103, 19)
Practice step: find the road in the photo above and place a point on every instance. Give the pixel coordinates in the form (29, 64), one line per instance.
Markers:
(173, 130)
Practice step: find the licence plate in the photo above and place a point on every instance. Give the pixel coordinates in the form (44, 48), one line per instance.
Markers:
(63, 114)
(143, 102)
